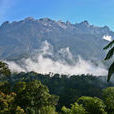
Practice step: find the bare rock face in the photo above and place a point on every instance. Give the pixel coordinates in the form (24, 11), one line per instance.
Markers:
(20, 39)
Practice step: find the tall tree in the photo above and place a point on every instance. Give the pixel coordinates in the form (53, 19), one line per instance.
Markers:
(34, 97)
(75, 109)
(93, 105)
(4, 70)
(108, 98)
(109, 55)
(8, 105)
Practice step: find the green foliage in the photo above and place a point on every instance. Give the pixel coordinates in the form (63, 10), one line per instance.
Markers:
(4, 70)
(32, 96)
(7, 104)
(75, 109)
(92, 105)
(109, 56)
(19, 110)
(75, 86)
(109, 45)
(108, 97)
(19, 87)
(5, 87)
(48, 110)
(66, 110)
(110, 71)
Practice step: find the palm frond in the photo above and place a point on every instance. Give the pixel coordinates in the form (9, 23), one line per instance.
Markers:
(110, 71)
(109, 54)
(109, 45)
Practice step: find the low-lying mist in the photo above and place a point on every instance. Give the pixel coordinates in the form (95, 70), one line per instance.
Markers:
(45, 60)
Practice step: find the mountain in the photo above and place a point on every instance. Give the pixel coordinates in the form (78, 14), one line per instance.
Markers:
(20, 39)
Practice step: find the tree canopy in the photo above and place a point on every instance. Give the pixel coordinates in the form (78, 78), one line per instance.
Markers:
(4, 70)
(93, 105)
(108, 97)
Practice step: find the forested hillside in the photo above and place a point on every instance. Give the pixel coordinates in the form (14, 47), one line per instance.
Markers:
(53, 93)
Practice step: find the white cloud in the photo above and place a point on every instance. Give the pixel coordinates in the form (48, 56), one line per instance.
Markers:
(15, 67)
(108, 38)
(42, 64)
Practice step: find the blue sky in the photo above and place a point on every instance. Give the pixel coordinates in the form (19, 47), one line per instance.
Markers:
(97, 12)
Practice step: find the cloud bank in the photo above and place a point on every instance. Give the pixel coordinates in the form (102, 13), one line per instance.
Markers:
(108, 38)
(44, 62)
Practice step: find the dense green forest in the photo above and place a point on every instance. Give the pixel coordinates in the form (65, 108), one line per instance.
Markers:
(33, 93)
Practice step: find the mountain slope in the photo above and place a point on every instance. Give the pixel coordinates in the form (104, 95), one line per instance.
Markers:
(22, 38)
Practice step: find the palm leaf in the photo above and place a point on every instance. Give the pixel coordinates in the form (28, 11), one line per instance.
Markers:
(110, 71)
(109, 54)
(109, 45)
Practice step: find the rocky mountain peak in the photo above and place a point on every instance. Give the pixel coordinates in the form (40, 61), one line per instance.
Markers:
(28, 34)
(29, 19)
(68, 23)
(5, 23)
(45, 19)
(86, 23)
(106, 28)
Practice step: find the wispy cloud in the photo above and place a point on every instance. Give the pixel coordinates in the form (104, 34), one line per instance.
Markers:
(42, 63)
(108, 38)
